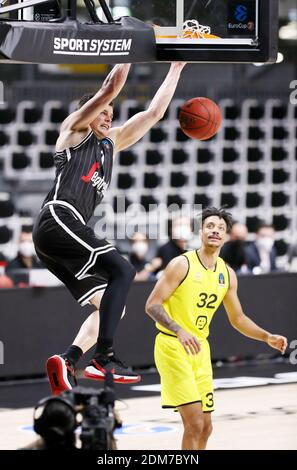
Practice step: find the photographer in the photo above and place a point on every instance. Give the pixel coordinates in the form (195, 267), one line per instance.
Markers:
(88, 410)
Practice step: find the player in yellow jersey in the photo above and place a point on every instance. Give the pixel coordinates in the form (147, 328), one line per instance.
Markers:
(182, 304)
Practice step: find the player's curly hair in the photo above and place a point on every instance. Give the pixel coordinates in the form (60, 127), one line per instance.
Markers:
(221, 213)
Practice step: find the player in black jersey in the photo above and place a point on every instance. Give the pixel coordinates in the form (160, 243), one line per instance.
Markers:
(91, 268)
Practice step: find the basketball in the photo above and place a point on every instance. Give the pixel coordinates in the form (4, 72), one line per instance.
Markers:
(200, 118)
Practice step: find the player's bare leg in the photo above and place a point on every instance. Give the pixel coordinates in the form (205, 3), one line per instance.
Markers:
(193, 421)
(206, 432)
(88, 333)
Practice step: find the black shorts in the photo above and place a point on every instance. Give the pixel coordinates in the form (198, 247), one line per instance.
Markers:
(71, 251)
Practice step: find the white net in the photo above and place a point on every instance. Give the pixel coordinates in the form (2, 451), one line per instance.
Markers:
(192, 28)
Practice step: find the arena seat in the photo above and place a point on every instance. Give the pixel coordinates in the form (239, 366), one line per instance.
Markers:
(254, 154)
(180, 136)
(202, 199)
(153, 157)
(25, 138)
(4, 138)
(230, 155)
(204, 155)
(279, 111)
(28, 112)
(231, 133)
(253, 200)
(279, 133)
(7, 114)
(255, 177)
(178, 179)
(127, 158)
(158, 135)
(229, 200)
(125, 181)
(54, 112)
(229, 177)
(278, 154)
(279, 198)
(151, 180)
(280, 176)
(256, 133)
(204, 178)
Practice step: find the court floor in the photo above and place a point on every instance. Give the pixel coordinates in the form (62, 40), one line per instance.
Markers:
(263, 417)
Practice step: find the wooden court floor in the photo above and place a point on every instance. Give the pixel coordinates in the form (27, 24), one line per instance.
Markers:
(249, 418)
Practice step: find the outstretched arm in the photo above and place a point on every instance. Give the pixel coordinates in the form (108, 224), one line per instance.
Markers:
(244, 324)
(136, 127)
(112, 85)
(173, 275)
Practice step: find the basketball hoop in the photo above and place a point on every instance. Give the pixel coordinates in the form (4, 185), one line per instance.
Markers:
(65, 40)
(192, 29)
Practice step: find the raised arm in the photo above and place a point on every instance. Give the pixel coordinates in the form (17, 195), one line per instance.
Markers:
(110, 89)
(244, 324)
(136, 127)
(173, 275)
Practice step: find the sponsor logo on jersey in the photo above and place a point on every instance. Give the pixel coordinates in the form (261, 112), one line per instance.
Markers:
(89, 176)
(91, 47)
(201, 322)
(221, 280)
(96, 180)
(99, 183)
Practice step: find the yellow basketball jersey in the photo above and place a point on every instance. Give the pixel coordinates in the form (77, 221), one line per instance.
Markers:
(194, 302)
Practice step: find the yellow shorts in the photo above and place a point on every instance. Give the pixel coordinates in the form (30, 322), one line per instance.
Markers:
(185, 378)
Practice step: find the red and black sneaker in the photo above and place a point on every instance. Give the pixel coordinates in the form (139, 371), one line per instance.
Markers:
(60, 373)
(122, 374)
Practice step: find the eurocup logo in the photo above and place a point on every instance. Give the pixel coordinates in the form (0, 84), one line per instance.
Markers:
(241, 13)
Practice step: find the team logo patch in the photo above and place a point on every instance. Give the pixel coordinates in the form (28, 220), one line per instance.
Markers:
(221, 279)
(198, 277)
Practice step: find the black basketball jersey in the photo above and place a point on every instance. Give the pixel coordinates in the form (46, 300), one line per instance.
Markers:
(83, 174)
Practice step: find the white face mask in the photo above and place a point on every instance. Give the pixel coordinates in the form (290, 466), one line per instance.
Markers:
(26, 249)
(265, 243)
(182, 232)
(139, 248)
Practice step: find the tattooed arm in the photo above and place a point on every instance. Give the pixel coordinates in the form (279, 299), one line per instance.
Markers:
(174, 273)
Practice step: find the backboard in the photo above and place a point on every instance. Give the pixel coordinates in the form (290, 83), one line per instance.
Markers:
(44, 31)
(212, 30)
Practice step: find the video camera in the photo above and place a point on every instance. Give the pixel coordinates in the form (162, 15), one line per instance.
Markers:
(56, 419)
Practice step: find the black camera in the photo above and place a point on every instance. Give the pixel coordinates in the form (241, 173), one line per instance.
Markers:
(56, 419)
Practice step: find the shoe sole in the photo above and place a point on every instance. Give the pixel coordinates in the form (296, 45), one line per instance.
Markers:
(92, 373)
(57, 375)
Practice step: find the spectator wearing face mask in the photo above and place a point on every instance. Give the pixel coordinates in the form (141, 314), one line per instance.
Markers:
(181, 234)
(261, 254)
(26, 257)
(233, 251)
(139, 249)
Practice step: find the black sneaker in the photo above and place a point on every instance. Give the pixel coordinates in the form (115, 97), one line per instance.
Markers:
(121, 373)
(60, 373)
